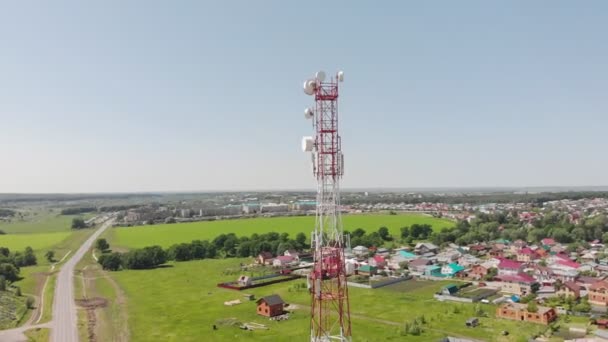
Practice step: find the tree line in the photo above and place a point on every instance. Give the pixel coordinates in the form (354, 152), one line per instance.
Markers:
(554, 224)
(222, 246)
(11, 263)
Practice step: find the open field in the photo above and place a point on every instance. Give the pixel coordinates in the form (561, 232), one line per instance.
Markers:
(182, 303)
(18, 242)
(166, 235)
(40, 222)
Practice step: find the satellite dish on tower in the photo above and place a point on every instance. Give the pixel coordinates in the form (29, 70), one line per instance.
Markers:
(320, 75)
(308, 113)
(341, 76)
(310, 86)
(307, 144)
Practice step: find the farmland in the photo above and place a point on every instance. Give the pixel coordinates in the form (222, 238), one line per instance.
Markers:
(182, 303)
(168, 234)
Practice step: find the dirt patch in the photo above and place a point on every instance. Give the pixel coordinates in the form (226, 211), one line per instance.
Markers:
(92, 303)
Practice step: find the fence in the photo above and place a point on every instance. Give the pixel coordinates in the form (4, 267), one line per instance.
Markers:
(377, 284)
(233, 285)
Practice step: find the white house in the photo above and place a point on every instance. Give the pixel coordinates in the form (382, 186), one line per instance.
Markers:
(360, 250)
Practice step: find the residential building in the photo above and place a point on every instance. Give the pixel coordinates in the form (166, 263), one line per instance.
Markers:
(251, 208)
(598, 293)
(519, 312)
(432, 271)
(377, 261)
(519, 284)
(264, 258)
(283, 260)
(509, 267)
(448, 256)
(477, 272)
(425, 247)
(467, 260)
(526, 254)
(548, 242)
(569, 289)
(292, 253)
(451, 270)
(360, 250)
(274, 208)
(270, 306)
(367, 270)
(418, 265)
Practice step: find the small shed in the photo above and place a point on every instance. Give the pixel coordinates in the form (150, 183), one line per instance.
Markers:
(449, 290)
(270, 306)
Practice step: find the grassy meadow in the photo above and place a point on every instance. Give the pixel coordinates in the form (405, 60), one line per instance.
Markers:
(39, 222)
(166, 235)
(182, 303)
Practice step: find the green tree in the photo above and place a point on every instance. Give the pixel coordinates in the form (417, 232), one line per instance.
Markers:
(102, 245)
(2, 283)
(78, 223)
(110, 262)
(405, 232)
(302, 240)
(384, 234)
(532, 307)
(50, 255)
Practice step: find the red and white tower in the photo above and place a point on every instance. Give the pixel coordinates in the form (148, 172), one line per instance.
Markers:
(330, 312)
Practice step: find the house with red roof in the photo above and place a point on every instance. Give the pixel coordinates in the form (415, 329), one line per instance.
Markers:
(509, 267)
(377, 261)
(283, 260)
(547, 242)
(526, 254)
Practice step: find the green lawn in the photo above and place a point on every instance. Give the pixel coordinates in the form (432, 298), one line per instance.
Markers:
(167, 234)
(182, 303)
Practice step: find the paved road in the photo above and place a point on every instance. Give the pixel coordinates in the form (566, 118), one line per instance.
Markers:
(64, 327)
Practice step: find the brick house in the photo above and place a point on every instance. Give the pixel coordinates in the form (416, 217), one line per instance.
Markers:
(519, 312)
(569, 289)
(264, 258)
(270, 306)
(598, 293)
(477, 272)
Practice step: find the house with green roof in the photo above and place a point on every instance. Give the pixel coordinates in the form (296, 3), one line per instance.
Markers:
(407, 255)
(432, 271)
(451, 270)
(367, 270)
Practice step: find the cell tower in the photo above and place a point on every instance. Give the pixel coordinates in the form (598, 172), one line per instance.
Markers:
(330, 311)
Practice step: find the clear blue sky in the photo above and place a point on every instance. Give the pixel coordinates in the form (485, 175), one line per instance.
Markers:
(177, 95)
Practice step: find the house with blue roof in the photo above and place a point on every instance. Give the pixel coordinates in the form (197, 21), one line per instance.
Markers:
(432, 271)
(407, 255)
(451, 270)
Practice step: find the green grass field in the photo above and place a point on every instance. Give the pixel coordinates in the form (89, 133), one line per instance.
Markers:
(39, 221)
(168, 234)
(18, 242)
(182, 303)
